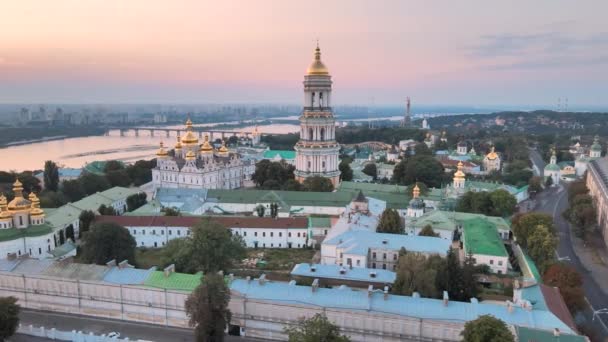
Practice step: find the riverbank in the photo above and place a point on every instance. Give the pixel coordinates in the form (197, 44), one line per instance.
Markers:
(15, 136)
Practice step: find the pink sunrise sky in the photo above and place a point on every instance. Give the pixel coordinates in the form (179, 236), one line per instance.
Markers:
(470, 52)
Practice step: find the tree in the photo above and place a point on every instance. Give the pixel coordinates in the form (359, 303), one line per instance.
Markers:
(113, 165)
(523, 225)
(421, 149)
(422, 168)
(581, 214)
(569, 282)
(486, 328)
(371, 170)
(51, 175)
(85, 218)
(106, 210)
(92, 183)
(177, 252)
(346, 173)
(136, 200)
(260, 210)
(274, 210)
(541, 247)
(210, 248)
(428, 231)
(118, 178)
(292, 185)
(316, 328)
(169, 211)
(108, 241)
(73, 190)
(503, 203)
(415, 275)
(318, 184)
(9, 317)
(390, 222)
(549, 181)
(51, 199)
(141, 171)
(207, 308)
(535, 185)
(269, 173)
(578, 187)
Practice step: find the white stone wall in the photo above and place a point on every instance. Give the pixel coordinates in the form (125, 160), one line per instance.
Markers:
(37, 247)
(497, 264)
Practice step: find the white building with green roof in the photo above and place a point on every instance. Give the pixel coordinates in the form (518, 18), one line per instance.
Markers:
(481, 240)
(288, 157)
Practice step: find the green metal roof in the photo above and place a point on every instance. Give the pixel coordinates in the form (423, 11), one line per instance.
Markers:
(117, 193)
(448, 220)
(98, 167)
(31, 231)
(481, 237)
(92, 202)
(284, 154)
(532, 267)
(319, 221)
(175, 281)
(552, 167)
(62, 216)
(536, 335)
(291, 198)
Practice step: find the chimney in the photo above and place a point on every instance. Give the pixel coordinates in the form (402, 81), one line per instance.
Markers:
(372, 274)
(445, 298)
(315, 285)
(509, 306)
(123, 264)
(248, 279)
(313, 269)
(370, 289)
(262, 279)
(556, 332)
(415, 295)
(169, 269)
(292, 283)
(385, 241)
(342, 270)
(385, 292)
(111, 263)
(220, 272)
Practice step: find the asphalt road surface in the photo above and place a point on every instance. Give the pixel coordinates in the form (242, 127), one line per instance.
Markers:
(98, 326)
(554, 201)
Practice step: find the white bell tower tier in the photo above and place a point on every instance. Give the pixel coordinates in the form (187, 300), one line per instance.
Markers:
(317, 151)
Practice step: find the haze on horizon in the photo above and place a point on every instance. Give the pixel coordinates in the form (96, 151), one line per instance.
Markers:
(460, 52)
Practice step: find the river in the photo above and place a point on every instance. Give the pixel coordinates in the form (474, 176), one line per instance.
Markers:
(76, 152)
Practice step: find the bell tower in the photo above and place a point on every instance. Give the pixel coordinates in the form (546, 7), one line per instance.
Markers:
(317, 150)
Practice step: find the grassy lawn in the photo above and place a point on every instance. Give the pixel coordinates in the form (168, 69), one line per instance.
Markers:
(148, 257)
(281, 258)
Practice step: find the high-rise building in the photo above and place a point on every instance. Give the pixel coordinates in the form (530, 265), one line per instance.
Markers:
(317, 150)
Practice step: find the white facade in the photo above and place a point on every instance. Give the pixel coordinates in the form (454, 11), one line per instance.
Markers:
(317, 150)
(497, 264)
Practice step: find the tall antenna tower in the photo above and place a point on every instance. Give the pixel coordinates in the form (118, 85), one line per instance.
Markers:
(566, 105)
(559, 104)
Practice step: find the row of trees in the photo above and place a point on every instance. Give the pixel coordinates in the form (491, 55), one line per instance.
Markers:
(431, 275)
(271, 175)
(496, 203)
(422, 168)
(582, 212)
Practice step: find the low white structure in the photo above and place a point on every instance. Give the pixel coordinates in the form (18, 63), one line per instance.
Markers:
(257, 232)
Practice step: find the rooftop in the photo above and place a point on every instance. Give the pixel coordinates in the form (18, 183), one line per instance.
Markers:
(190, 221)
(127, 275)
(360, 241)
(537, 335)
(449, 220)
(349, 274)
(175, 281)
(481, 237)
(31, 231)
(283, 154)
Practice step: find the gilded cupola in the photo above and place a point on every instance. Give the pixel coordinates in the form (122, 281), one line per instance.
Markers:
(317, 67)
(18, 203)
(206, 146)
(190, 137)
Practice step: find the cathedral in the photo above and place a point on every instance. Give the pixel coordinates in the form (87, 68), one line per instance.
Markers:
(317, 150)
(200, 166)
(20, 213)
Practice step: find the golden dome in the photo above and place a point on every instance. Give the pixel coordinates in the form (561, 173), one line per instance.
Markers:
(190, 155)
(459, 173)
(206, 146)
(161, 151)
(317, 67)
(190, 138)
(18, 203)
(492, 155)
(4, 213)
(223, 149)
(416, 191)
(178, 146)
(36, 211)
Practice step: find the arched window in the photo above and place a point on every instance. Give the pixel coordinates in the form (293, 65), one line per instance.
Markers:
(310, 136)
(322, 134)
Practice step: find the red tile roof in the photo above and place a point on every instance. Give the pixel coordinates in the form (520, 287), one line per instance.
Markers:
(555, 303)
(189, 221)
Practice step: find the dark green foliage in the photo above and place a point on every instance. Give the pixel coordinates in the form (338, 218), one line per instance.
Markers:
(136, 200)
(118, 178)
(370, 170)
(92, 183)
(581, 214)
(51, 176)
(317, 328)
(422, 150)
(51, 199)
(523, 225)
(419, 168)
(495, 203)
(86, 218)
(274, 210)
(73, 190)
(318, 184)
(346, 173)
(272, 175)
(416, 273)
(389, 135)
(390, 222)
(541, 247)
(281, 142)
(141, 171)
(108, 241)
(458, 280)
(113, 165)
(170, 211)
(106, 210)
(9, 317)
(535, 185)
(260, 210)
(428, 231)
(210, 248)
(207, 308)
(486, 328)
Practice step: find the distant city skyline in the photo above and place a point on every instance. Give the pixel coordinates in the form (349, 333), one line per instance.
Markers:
(467, 53)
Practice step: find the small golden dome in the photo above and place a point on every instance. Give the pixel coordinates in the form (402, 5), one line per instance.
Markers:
(459, 174)
(161, 151)
(206, 146)
(223, 149)
(492, 155)
(178, 146)
(18, 203)
(36, 211)
(416, 191)
(317, 67)
(190, 155)
(4, 213)
(190, 138)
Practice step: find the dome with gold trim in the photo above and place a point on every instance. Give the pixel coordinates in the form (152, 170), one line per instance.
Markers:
(178, 146)
(190, 155)
(223, 149)
(4, 213)
(459, 173)
(161, 151)
(206, 146)
(317, 67)
(492, 155)
(18, 203)
(36, 211)
(190, 137)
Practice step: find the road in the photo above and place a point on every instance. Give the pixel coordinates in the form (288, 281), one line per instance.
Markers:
(537, 160)
(554, 201)
(98, 326)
